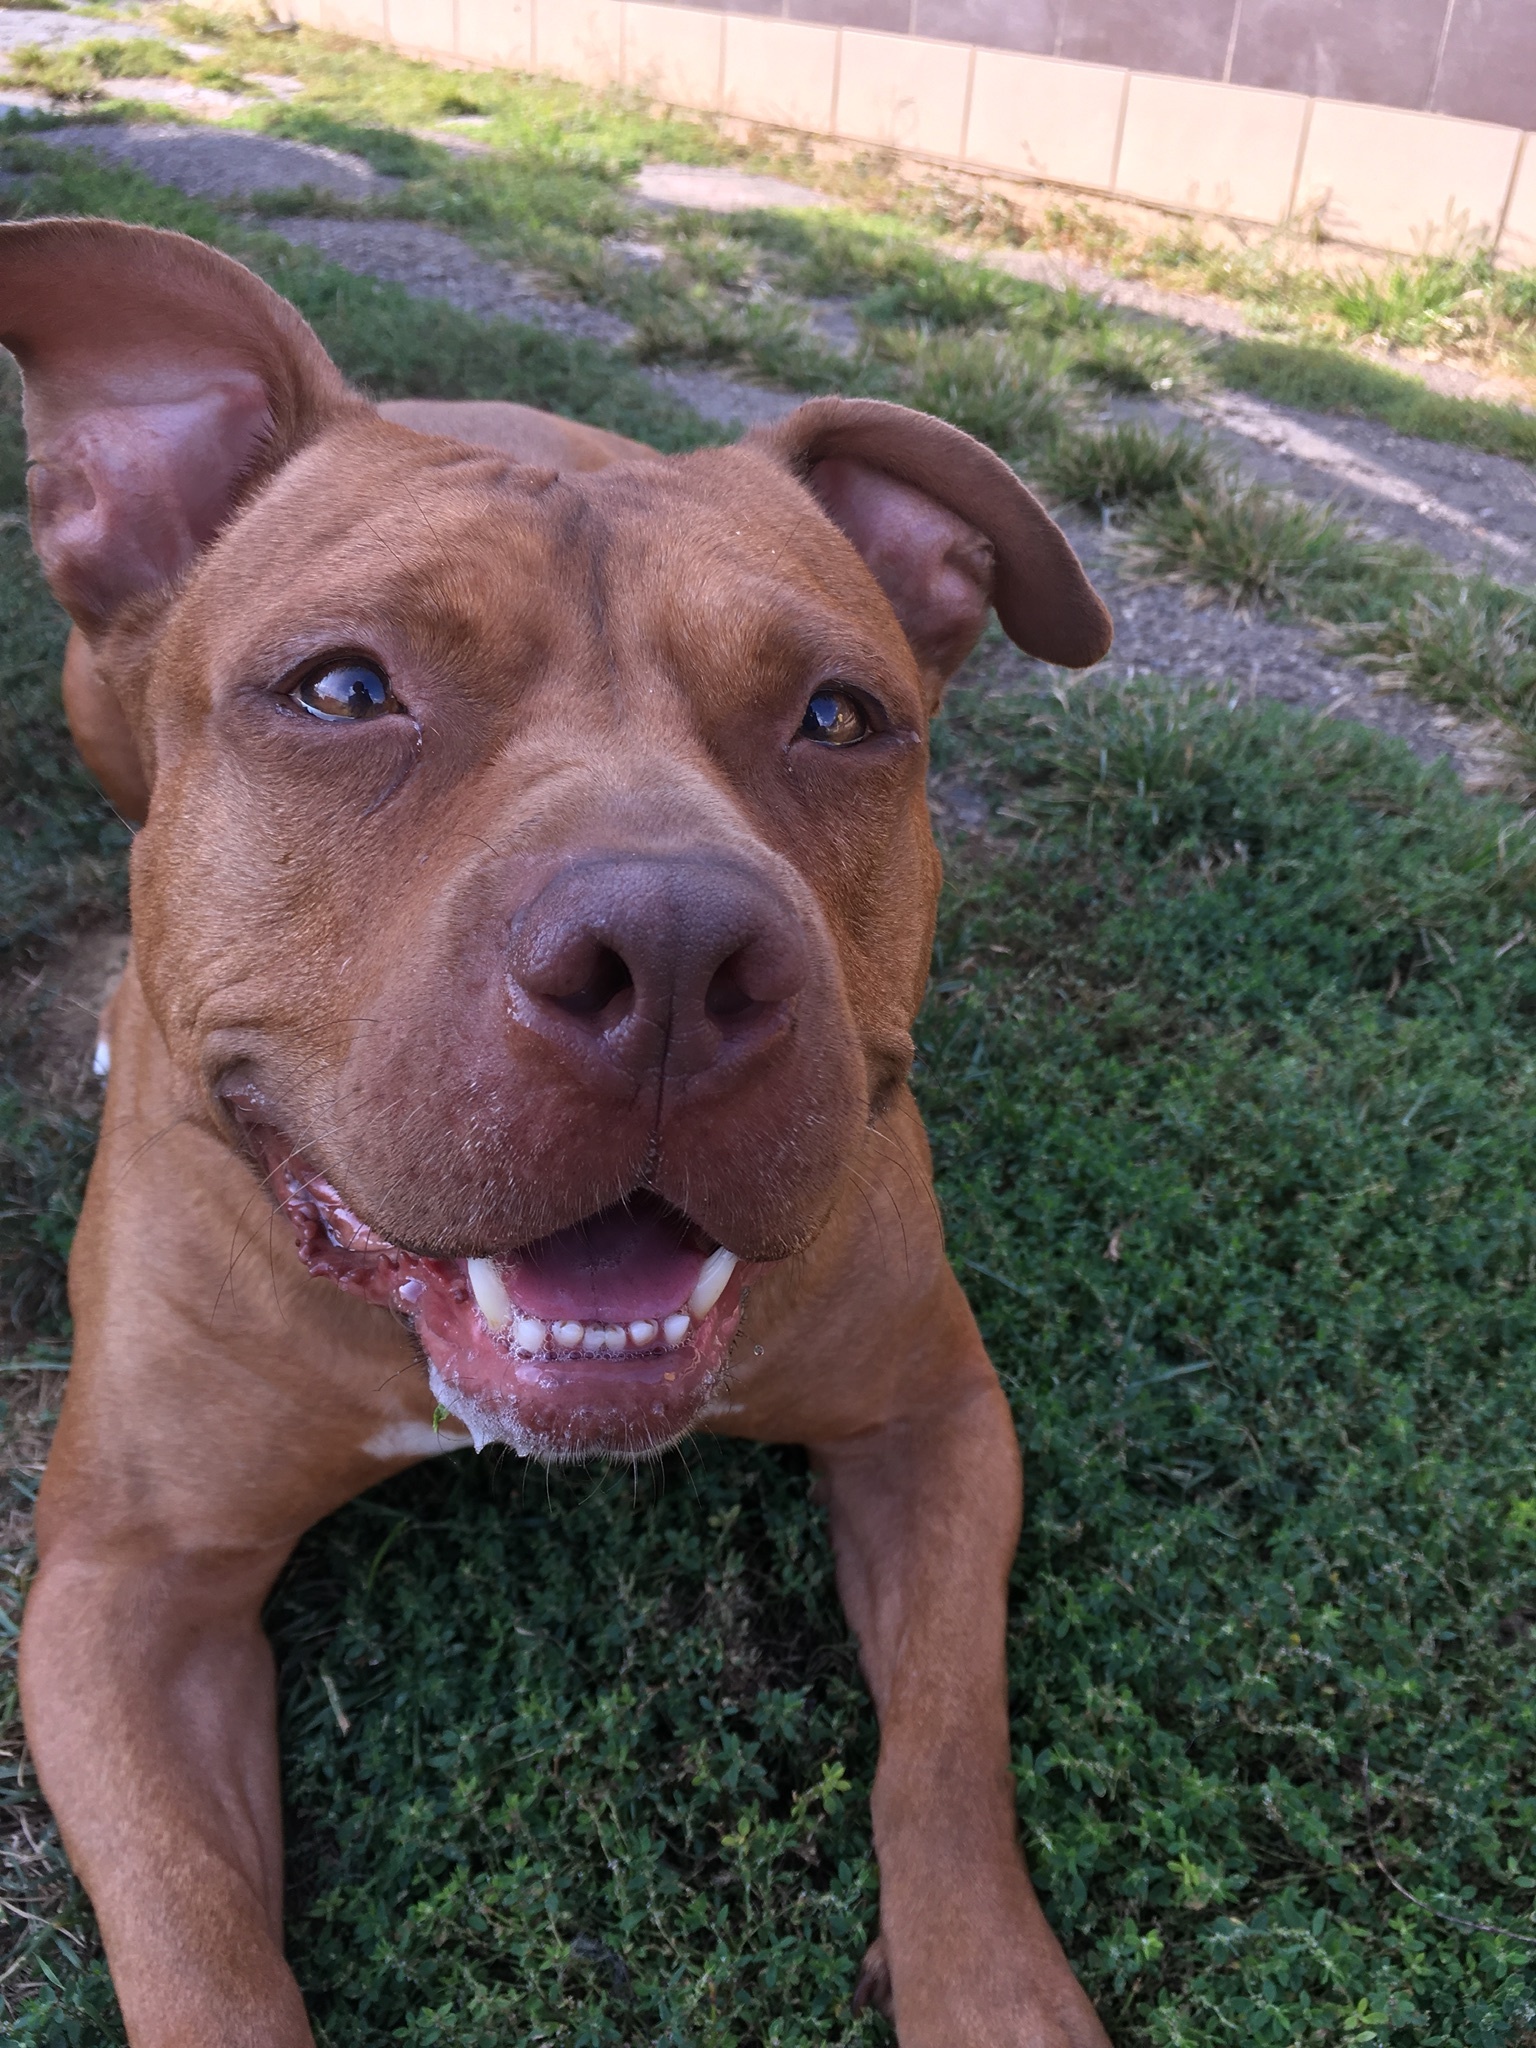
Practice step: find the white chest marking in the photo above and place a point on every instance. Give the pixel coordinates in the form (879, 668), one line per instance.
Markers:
(416, 1440)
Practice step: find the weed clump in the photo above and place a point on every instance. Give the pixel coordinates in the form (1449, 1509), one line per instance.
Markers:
(1011, 392)
(1255, 546)
(1127, 464)
(1469, 644)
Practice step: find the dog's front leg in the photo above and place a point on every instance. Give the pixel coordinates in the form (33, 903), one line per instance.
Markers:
(925, 1516)
(150, 1706)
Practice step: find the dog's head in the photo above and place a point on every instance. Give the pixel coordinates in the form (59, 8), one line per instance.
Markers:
(536, 882)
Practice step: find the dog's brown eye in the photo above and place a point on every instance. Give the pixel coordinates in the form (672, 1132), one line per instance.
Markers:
(351, 690)
(835, 718)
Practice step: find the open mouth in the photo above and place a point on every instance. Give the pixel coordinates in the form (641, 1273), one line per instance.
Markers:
(603, 1339)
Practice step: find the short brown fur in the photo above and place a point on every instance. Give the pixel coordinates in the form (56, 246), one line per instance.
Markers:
(606, 660)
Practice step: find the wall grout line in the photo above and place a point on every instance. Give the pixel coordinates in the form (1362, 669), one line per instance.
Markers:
(1509, 195)
(1302, 140)
(837, 75)
(965, 111)
(1114, 159)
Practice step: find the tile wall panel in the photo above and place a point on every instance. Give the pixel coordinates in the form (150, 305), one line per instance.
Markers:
(496, 32)
(673, 53)
(1210, 148)
(1043, 117)
(580, 39)
(1403, 180)
(902, 93)
(782, 72)
(423, 26)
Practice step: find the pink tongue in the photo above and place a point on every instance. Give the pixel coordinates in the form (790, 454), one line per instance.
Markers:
(619, 1267)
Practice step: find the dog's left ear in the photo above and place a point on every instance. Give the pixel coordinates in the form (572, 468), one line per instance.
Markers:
(947, 531)
(162, 382)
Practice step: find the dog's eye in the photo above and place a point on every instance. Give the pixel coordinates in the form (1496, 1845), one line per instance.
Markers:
(835, 718)
(350, 690)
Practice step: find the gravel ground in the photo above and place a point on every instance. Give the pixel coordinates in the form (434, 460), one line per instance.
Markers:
(434, 265)
(1159, 631)
(1477, 511)
(222, 163)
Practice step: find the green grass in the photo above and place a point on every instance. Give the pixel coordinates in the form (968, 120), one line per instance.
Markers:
(1467, 644)
(1257, 546)
(1453, 304)
(1228, 1070)
(61, 867)
(1126, 465)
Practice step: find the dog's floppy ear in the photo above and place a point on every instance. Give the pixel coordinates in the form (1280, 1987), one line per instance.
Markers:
(947, 530)
(161, 382)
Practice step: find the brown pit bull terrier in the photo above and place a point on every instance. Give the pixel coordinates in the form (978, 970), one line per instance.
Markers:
(533, 901)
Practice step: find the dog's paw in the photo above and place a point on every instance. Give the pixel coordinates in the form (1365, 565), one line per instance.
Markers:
(874, 1986)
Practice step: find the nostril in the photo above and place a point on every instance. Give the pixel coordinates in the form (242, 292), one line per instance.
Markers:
(728, 995)
(607, 977)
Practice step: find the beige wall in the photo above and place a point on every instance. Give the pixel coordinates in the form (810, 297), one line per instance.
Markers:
(1379, 177)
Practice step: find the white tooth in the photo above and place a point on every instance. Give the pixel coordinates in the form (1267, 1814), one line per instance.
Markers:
(567, 1335)
(641, 1334)
(676, 1328)
(101, 1061)
(592, 1337)
(494, 1303)
(614, 1336)
(528, 1334)
(716, 1270)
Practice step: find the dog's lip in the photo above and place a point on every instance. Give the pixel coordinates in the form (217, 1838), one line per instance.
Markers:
(607, 1337)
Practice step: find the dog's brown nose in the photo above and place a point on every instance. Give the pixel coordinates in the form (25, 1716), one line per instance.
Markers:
(638, 965)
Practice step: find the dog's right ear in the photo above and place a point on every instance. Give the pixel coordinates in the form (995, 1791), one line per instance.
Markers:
(162, 382)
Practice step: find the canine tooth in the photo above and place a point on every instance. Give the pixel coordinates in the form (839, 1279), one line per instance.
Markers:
(101, 1059)
(592, 1337)
(567, 1335)
(614, 1336)
(641, 1334)
(528, 1334)
(676, 1328)
(716, 1271)
(491, 1297)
